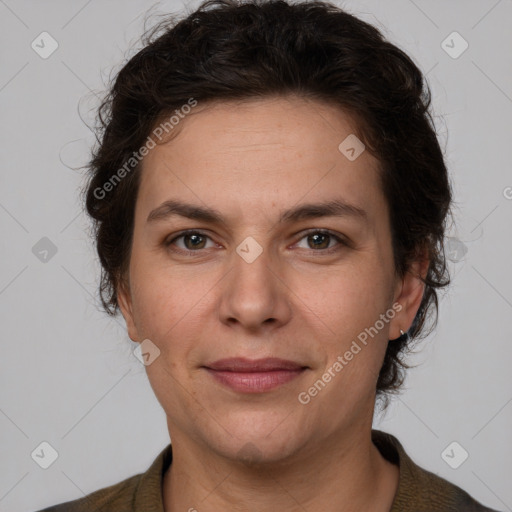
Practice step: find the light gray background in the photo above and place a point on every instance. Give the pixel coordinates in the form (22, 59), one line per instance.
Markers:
(68, 376)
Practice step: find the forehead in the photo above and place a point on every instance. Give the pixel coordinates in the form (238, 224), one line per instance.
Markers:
(264, 151)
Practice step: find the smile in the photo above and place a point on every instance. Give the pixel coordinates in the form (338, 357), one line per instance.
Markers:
(257, 376)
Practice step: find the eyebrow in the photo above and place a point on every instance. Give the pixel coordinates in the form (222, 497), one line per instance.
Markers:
(334, 208)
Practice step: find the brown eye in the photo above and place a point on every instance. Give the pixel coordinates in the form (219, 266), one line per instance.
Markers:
(322, 241)
(195, 241)
(192, 241)
(319, 241)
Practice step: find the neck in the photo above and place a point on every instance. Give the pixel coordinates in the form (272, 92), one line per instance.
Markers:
(345, 473)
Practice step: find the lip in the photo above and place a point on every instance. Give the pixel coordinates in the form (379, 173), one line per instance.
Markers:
(242, 364)
(254, 375)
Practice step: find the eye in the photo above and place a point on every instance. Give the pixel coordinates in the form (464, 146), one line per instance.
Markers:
(320, 240)
(316, 240)
(193, 241)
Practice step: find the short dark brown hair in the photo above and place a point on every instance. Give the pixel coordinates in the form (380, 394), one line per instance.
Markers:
(229, 50)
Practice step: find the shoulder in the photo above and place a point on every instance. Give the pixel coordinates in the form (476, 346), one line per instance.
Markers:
(138, 493)
(419, 489)
(115, 497)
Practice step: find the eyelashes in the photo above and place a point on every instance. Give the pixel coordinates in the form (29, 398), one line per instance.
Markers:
(319, 237)
(184, 234)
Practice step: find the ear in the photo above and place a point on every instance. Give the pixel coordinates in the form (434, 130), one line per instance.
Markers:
(124, 300)
(409, 292)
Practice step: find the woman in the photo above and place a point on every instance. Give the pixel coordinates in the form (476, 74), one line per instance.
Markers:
(270, 199)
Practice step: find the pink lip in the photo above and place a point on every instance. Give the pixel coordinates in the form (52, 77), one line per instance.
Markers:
(254, 376)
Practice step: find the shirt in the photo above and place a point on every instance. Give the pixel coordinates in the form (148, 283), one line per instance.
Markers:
(418, 490)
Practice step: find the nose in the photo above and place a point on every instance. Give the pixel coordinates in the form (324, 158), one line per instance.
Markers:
(254, 296)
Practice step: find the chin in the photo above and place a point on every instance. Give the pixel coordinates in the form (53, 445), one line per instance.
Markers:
(259, 452)
(260, 442)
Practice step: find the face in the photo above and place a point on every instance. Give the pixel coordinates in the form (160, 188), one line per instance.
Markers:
(261, 275)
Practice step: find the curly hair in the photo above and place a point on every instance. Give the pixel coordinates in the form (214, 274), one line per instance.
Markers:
(229, 50)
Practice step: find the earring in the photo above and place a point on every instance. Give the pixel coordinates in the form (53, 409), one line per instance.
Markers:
(402, 332)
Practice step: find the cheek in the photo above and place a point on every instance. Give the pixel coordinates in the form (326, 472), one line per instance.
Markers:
(167, 304)
(347, 308)
(346, 299)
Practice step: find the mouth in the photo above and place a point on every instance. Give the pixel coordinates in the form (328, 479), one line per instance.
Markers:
(254, 376)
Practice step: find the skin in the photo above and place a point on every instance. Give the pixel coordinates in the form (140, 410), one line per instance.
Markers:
(250, 161)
